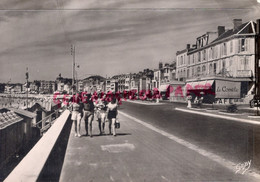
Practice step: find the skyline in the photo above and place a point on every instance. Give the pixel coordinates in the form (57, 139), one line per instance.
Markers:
(111, 37)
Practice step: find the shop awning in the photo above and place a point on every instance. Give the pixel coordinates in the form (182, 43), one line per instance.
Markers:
(202, 85)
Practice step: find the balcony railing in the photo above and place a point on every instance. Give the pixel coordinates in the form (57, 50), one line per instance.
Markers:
(244, 73)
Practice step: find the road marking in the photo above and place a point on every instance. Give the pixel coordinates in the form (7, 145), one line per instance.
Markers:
(117, 148)
(220, 116)
(228, 164)
(111, 178)
(165, 178)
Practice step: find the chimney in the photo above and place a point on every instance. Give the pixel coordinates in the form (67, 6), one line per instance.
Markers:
(160, 65)
(237, 23)
(221, 30)
(188, 46)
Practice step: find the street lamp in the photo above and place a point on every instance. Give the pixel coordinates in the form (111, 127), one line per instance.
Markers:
(73, 66)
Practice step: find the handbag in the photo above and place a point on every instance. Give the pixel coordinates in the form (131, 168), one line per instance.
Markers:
(117, 124)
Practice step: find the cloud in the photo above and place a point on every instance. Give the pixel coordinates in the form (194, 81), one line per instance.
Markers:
(110, 36)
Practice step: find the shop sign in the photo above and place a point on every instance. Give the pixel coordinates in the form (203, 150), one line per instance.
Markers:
(228, 89)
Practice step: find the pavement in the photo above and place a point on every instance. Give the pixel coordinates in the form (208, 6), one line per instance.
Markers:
(142, 152)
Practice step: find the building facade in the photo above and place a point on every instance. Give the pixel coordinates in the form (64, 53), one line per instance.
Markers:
(227, 61)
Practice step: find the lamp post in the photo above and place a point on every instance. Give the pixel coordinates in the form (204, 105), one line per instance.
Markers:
(73, 66)
(27, 77)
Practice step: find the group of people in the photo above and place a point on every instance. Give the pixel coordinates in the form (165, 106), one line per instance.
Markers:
(103, 109)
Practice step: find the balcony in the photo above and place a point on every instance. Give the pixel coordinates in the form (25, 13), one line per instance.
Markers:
(244, 73)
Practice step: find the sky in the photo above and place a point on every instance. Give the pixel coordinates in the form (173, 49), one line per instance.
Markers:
(111, 37)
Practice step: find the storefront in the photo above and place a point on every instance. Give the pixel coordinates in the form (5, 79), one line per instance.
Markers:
(218, 90)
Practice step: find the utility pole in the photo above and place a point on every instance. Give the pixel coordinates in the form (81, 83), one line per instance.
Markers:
(73, 66)
(27, 77)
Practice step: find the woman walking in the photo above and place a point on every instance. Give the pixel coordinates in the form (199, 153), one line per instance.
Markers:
(111, 115)
(88, 115)
(76, 116)
(101, 107)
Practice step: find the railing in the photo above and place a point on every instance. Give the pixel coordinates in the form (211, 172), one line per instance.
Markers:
(47, 121)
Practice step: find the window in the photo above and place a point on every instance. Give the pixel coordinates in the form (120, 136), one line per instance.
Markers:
(199, 56)
(223, 64)
(241, 45)
(198, 70)
(204, 55)
(203, 69)
(245, 63)
(210, 69)
(215, 68)
(231, 46)
(224, 49)
(211, 53)
(216, 52)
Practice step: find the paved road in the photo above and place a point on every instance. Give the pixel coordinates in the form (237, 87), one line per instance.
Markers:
(229, 139)
(138, 153)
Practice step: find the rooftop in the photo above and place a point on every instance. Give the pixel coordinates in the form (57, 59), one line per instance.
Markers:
(8, 118)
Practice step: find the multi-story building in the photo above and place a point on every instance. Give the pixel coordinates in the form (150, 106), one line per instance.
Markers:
(64, 85)
(224, 60)
(35, 85)
(111, 85)
(47, 86)
(94, 84)
(17, 88)
(156, 82)
(168, 73)
(128, 81)
(135, 82)
(121, 81)
(163, 76)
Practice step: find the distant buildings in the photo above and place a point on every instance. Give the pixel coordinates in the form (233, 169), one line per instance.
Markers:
(92, 84)
(64, 85)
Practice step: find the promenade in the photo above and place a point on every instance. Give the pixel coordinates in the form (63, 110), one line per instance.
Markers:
(141, 152)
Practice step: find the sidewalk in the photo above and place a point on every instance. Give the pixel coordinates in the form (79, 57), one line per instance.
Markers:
(141, 152)
(244, 114)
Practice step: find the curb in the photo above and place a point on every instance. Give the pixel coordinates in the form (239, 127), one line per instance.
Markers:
(253, 122)
(145, 103)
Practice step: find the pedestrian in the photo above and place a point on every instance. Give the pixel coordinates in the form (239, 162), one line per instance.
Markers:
(77, 108)
(111, 115)
(189, 97)
(101, 108)
(88, 114)
(201, 98)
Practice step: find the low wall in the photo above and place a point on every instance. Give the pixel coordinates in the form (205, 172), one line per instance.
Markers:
(30, 168)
